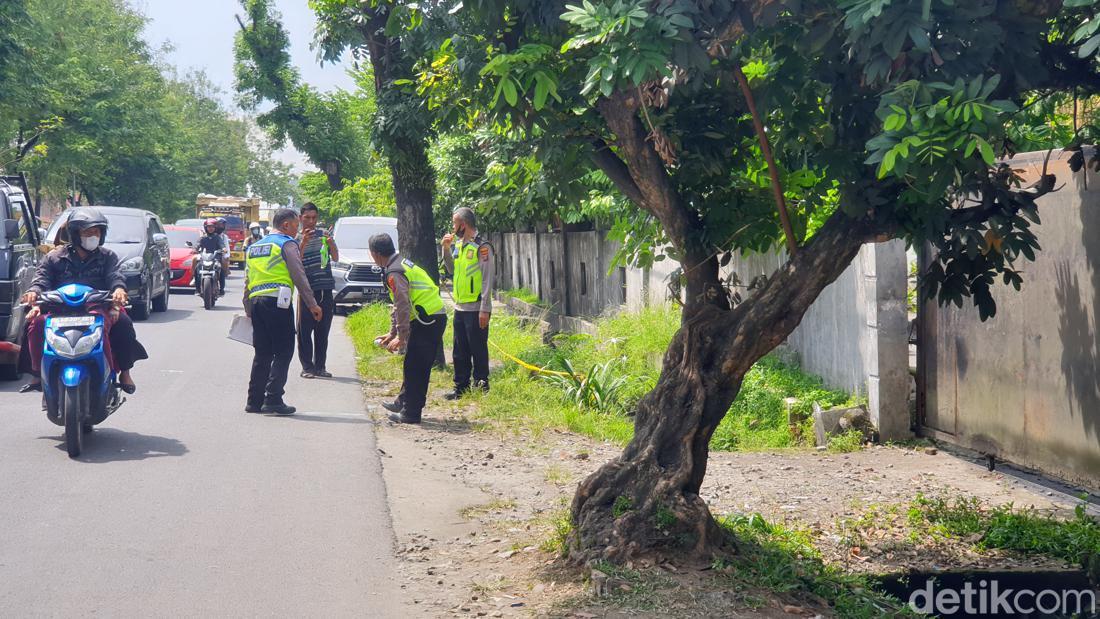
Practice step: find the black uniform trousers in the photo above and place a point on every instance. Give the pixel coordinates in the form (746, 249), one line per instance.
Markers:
(424, 339)
(471, 351)
(313, 334)
(273, 340)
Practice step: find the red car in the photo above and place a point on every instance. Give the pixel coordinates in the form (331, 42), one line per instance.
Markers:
(182, 242)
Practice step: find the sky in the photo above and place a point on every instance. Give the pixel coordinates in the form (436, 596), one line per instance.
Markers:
(201, 35)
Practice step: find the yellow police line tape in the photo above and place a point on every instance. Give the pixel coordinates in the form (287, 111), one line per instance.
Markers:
(532, 368)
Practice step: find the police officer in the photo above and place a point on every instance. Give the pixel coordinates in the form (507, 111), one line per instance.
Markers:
(417, 324)
(469, 258)
(274, 268)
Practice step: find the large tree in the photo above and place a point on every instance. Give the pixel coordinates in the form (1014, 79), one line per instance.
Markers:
(378, 31)
(815, 125)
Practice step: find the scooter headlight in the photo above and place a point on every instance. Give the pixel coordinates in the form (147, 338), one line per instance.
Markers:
(59, 344)
(88, 342)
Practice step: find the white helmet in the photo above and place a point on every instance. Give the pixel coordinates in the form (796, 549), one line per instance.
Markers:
(255, 225)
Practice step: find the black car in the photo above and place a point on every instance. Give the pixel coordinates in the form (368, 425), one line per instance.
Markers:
(142, 247)
(18, 260)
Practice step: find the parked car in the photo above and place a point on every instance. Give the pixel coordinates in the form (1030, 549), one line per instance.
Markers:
(189, 223)
(19, 238)
(358, 278)
(142, 246)
(182, 243)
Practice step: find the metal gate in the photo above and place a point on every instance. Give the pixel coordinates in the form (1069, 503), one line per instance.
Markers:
(1025, 385)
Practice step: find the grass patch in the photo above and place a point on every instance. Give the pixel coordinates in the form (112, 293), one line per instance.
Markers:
(784, 561)
(372, 361)
(630, 346)
(496, 505)
(1074, 540)
(850, 441)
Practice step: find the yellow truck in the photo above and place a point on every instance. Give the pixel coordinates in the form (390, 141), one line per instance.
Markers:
(238, 213)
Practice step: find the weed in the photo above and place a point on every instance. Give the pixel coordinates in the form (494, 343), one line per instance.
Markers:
(631, 589)
(622, 505)
(664, 519)
(849, 441)
(496, 505)
(561, 526)
(785, 561)
(1003, 527)
(598, 390)
(558, 475)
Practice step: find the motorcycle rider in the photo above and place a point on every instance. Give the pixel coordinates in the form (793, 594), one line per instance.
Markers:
(84, 260)
(255, 233)
(211, 242)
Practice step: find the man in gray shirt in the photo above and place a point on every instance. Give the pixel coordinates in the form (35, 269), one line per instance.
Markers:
(469, 258)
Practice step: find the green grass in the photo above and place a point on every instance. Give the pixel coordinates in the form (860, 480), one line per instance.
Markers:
(1007, 528)
(850, 441)
(785, 561)
(635, 344)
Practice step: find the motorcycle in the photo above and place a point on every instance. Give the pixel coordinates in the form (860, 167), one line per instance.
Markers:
(78, 384)
(209, 274)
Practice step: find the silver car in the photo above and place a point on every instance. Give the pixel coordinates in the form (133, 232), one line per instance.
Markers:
(358, 279)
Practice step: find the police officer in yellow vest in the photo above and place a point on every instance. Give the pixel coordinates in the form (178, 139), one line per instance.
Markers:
(274, 268)
(417, 325)
(470, 259)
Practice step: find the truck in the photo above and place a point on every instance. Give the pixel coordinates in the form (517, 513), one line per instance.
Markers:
(20, 236)
(238, 213)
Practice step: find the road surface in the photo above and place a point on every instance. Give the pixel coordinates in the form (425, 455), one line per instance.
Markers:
(184, 505)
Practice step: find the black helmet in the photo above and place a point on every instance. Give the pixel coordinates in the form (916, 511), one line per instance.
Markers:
(221, 225)
(82, 218)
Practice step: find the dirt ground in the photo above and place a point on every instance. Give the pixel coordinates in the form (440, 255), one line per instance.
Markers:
(474, 503)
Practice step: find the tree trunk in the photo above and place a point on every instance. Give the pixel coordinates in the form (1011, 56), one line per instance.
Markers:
(413, 179)
(647, 501)
(413, 186)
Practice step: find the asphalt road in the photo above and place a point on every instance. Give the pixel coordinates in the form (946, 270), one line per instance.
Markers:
(184, 505)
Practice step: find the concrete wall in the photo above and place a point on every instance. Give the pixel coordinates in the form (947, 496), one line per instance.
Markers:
(855, 335)
(1025, 385)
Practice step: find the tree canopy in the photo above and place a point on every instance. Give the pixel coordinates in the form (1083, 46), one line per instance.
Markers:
(87, 106)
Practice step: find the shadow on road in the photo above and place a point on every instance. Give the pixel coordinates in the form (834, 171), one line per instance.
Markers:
(173, 314)
(343, 380)
(111, 445)
(353, 418)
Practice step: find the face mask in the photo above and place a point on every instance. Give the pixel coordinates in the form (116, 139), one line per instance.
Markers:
(460, 232)
(90, 243)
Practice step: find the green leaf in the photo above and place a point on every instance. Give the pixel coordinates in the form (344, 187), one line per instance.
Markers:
(987, 151)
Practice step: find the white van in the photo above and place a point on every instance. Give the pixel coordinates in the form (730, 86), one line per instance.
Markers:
(358, 278)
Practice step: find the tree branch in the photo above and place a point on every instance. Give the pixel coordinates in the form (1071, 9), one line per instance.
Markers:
(766, 149)
(656, 193)
(606, 160)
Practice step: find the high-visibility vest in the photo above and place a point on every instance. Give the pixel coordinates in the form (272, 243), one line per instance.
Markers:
(423, 293)
(468, 276)
(267, 270)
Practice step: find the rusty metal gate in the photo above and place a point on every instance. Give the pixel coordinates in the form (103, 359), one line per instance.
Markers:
(1025, 385)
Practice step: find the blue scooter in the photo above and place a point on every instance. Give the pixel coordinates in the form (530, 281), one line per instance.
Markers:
(79, 387)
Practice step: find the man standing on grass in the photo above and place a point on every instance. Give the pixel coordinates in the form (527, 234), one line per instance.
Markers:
(417, 325)
(318, 252)
(470, 261)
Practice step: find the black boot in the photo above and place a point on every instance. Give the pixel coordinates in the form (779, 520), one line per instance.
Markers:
(404, 417)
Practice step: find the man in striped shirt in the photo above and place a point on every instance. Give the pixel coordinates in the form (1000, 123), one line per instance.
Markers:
(318, 253)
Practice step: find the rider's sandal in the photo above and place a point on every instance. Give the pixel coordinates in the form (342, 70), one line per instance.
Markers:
(127, 389)
(305, 374)
(29, 387)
